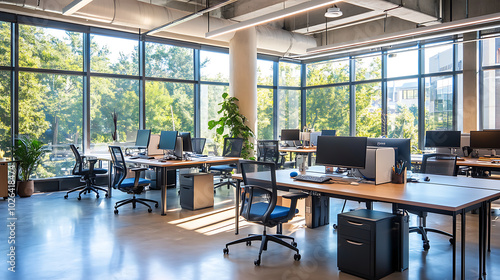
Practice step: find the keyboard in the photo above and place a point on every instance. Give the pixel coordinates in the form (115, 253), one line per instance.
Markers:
(314, 179)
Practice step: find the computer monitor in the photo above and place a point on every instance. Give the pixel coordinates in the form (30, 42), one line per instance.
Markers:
(168, 140)
(290, 134)
(314, 138)
(142, 139)
(442, 139)
(402, 148)
(186, 141)
(327, 132)
(341, 151)
(486, 139)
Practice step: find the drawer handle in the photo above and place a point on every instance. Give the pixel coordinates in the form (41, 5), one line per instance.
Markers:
(354, 243)
(354, 223)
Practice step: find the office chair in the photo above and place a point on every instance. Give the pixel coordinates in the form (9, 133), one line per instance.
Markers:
(268, 151)
(198, 145)
(259, 206)
(232, 148)
(84, 167)
(131, 186)
(439, 164)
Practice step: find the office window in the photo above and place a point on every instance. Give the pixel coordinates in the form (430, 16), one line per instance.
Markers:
(5, 32)
(490, 99)
(402, 114)
(50, 48)
(165, 61)
(166, 100)
(368, 67)
(210, 97)
(328, 72)
(438, 57)
(402, 63)
(491, 51)
(265, 72)
(114, 55)
(289, 74)
(50, 109)
(264, 114)
(328, 108)
(368, 110)
(214, 66)
(109, 96)
(5, 112)
(288, 109)
(459, 60)
(460, 102)
(439, 103)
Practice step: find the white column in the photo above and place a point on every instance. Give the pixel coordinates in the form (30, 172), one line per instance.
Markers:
(470, 88)
(243, 73)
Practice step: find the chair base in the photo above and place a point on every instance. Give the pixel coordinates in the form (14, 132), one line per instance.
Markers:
(134, 201)
(265, 238)
(87, 189)
(423, 231)
(227, 183)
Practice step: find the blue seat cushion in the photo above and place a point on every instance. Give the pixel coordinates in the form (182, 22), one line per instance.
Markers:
(279, 212)
(129, 182)
(226, 168)
(96, 171)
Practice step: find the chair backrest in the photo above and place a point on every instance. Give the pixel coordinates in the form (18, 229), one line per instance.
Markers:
(198, 145)
(232, 147)
(77, 169)
(119, 166)
(268, 151)
(260, 185)
(439, 164)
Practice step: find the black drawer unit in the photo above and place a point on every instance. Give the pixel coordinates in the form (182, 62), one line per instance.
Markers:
(365, 243)
(196, 190)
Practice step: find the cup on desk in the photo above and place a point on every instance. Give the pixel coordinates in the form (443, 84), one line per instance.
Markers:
(398, 178)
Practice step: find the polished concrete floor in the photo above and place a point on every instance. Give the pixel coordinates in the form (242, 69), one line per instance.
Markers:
(57, 238)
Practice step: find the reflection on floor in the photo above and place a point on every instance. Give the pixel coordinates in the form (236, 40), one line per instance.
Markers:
(59, 238)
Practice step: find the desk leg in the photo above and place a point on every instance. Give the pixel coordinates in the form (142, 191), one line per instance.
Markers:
(485, 229)
(462, 254)
(237, 194)
(163, 185)
(309, 159)
(454, 245)
(489, 226)
(481, 239)
(110, 178)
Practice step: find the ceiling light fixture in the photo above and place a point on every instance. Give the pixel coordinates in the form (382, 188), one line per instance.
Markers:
(300, 8)
(333, 12)
(74, 6)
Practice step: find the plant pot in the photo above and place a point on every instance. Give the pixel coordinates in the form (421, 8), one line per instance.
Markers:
(25, 188)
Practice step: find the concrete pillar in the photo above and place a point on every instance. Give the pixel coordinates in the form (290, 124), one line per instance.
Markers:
(470, 86)
(243, 73)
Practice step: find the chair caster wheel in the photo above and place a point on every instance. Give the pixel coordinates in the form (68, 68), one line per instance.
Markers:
(451, 241)
(296, 257)
(426, 246)
(150, 210)
(256, 262)
(79, 198)
(96, 196)
(294, 244)
(225, 251)
(66, 197)
(116, 211)
(156, 205)
(106, 196)
(335, 226)
(249, 243)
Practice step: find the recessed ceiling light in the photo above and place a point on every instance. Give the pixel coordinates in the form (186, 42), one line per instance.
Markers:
(333, 12)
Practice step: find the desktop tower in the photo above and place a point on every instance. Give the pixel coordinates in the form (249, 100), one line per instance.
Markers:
(379, 163)
(401, 231)
(317, 211)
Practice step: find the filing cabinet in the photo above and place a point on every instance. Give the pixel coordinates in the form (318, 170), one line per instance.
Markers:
(196, 190)
(4, 182)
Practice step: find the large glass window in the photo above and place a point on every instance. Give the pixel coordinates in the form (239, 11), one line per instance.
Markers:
(368, 110)
(109, 97)
(265, 72)
(327, 72)
(214, 66)
(328, 108)
(265, 114)
(491, 99)
(50, 109)
(210, 97)
(288, 109)
(5, 43)
(5, 111)
(166, 100)
(402, 63)
(491, 51)
(164, 61)
(402, 110)
(439, 103)
(114, 55)
(289, 74)
(50, 48)
(438, 58)
(368, 67)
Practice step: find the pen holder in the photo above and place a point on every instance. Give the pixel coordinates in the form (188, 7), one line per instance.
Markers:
(399, 178)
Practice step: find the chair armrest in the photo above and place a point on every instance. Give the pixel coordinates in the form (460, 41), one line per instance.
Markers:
(91, 163)
(294, 195)
(138, 169)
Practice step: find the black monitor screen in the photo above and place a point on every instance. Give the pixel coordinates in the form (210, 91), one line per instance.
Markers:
(186, 142)
(341, 151)
(402, 148)
(325, 132)
(487, 139)
(442, 139)
(290, 134)
(167, 140)
(142, 139)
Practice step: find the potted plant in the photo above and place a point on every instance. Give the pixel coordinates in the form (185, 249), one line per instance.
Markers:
(29, 152)
(234, 122)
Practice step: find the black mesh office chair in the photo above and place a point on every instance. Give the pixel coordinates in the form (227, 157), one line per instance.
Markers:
(232, 148)
(131, 186)
(259, 206)
(198, 145)
(84, 167)
(268, 151)
(439, 164)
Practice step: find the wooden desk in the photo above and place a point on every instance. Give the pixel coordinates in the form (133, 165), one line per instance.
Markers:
(163, 167)
(431, 197)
